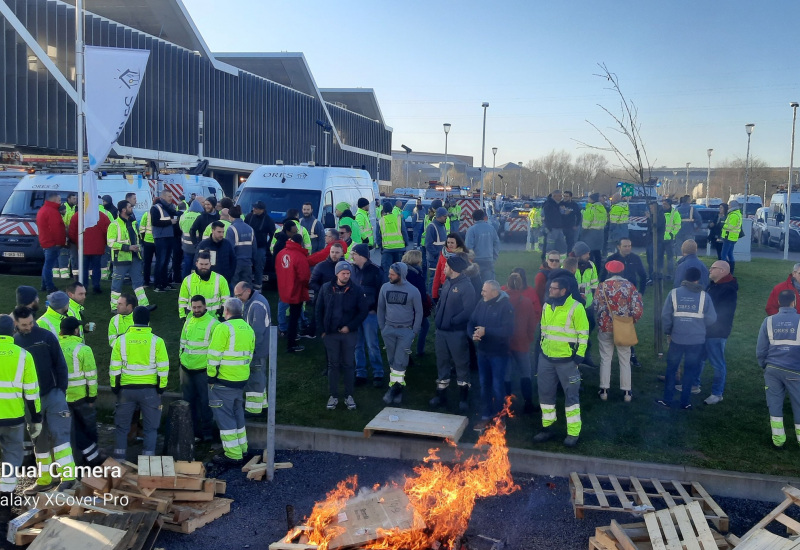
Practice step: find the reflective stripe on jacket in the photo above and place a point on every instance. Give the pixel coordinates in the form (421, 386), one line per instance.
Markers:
(391, 232)
(117, 326)
(195, 339)
(81, 368)
(20, 383)
(230, 353)
(139, 359)
(565, 330)
(595, 216)
(215, 290)
(733, 226)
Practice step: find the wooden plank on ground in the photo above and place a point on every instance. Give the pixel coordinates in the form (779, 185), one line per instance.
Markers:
(155, 466)
(687, 498)
(250, 463)
(792, 525)
(640, 492)
(144, 465)
(598, 491)
(622, 536)
(167, 466)
(663, 493)
(210, 511)
(704, 535)
(623, 499)
(190, 468)
(688, 535)
(422, 423)
(65, 533)
(672, 540)
(654, 532)
(717, 516)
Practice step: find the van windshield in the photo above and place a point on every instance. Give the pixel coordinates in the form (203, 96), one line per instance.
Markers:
(27, 203)
(279, 200)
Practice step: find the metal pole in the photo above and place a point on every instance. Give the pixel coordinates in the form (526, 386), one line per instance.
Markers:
(406, 170)
(747, 175)
(687, 178)
(446, 177)
(494, 163)
(326, 148)
(708, 190)
(519, 182)
(483, 149)
(269, 451)
(788, 215)
(79, 47)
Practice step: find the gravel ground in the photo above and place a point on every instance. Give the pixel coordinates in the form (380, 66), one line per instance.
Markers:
(538, 516)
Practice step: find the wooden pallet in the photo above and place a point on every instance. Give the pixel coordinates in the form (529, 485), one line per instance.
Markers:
(792, 526)
(423, 423)
(764, 540)
(142, 528)
(610, 493)
(635, 536)
(199, 514)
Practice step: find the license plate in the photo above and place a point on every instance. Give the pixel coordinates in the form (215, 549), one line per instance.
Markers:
(13, 255)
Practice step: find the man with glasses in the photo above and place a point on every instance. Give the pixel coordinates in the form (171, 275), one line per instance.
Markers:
(792, 283)
(551, 262)
(723, 291)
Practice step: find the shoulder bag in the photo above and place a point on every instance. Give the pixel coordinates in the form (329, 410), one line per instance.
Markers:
(624, 329)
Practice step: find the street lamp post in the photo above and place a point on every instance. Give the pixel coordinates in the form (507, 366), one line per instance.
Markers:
(708, 190)
(519, 183)
(446, 131)
(687, 178)
(494, 160)
(749, 129)
(675, 179)
(788, 210)
(408, 152)
(419, 179)
(485, 106)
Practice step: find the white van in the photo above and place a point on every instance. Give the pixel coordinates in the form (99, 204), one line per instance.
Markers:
(285, 187)
(8, 181)
(19, 241)
(775, 225)
(185, 184)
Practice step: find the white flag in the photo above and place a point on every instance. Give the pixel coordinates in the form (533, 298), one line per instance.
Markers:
(91, 206)
(112, 81)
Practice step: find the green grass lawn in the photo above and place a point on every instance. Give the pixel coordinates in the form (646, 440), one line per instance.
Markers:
(733, 435)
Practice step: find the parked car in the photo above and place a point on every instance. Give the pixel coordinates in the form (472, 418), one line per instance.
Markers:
(760, 233)
(637, 222)
(776, 216)
(708, 215)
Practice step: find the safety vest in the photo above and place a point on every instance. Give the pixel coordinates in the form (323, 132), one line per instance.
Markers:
(51, 320)
(107, 213)
(454, 213)
(673, 224)
(81, 368)
(565, 330)
(139, 358)
(733, 226)
(694, 310)
(691, 216)
(116, 237)
(535, 218)
(208, 229)
(231, 351)
(781, 339)
(215, 290)
(68, 213)
(587, 282)
(391, 233)
(166, 231)
(187, 220)
(117, 326)
(20, 384)
(595, 216)
(365, 226)
(243, 239)
(620, 213)
(76, 310)
(195, 339)
(146, 228)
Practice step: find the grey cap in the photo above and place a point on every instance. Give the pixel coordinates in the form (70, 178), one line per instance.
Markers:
(58, 300)
(441, 211)
(6, 325)
(580, 249)
(342, 266)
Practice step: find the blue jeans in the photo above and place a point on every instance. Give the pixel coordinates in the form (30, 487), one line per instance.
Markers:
(283, 323)
(715, 353)
(487, 270)
(187, 266)
(259, 261)
(423, 335)
(50, 261)
(692, 356)
(727, 252)
(492, 373)
(368, 336)
(388, 257)
(91, 262)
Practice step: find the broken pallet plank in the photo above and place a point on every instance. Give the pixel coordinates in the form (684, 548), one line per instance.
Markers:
(190, 468)
(214, 510)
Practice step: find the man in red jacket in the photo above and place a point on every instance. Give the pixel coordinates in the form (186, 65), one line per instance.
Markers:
(331, 237)
(52, 237)
(291, 268)
(792, 283)
(94, 246)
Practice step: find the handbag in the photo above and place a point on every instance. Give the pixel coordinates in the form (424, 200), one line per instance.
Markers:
(623, 327)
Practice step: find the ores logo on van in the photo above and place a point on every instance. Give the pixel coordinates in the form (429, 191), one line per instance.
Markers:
(287, 175)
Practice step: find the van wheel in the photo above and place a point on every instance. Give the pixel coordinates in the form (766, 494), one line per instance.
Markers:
(781, 242)
(765, 239)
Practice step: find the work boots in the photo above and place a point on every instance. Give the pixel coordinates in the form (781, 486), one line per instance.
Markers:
(527, 393)
(394, 394)
(463, 400)
(440, 399)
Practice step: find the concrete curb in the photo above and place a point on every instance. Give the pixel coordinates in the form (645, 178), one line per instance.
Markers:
(717, 482)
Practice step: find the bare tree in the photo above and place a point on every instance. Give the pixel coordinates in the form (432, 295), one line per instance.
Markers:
(626, 123)
(587, 167)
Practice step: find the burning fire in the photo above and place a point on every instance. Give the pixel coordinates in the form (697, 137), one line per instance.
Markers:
(442, 496)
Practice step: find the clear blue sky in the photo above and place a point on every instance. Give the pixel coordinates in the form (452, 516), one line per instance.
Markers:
(697, 71)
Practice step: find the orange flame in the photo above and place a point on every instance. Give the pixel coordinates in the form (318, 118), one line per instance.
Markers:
(442, 496)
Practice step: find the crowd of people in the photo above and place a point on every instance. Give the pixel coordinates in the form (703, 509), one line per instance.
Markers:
(532, 336)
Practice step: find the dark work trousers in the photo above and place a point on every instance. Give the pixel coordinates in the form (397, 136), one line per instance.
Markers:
(163, 254)
(84, 430)
(194, 385)
(177, 261)
(148, 253)
(341, 349)
(295, 310)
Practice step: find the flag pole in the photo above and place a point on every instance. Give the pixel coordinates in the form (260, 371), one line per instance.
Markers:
(79, 52)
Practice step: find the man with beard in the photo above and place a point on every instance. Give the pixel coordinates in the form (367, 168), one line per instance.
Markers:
(263, 229)
(212, 286)
(219, 250)
(314, 228)
(195, 338)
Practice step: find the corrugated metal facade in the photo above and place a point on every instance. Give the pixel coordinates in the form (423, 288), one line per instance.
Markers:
(246, 118)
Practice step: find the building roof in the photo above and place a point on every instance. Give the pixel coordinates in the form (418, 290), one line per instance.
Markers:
(287, 68)
(357, 100)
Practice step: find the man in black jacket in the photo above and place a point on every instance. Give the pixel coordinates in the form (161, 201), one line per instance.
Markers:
(263, 229)
(370, 278)
(552, 211)
(220, 249)
(206, 218)
(634, 268)
(456, 302)
(163, 219)
(340, 311)
(571, 219)
(723, 289)
(51, 369)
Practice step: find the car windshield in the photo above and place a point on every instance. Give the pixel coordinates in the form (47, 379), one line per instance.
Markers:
(279, 200)
(27, 203)
(709, 214)
(637, 209)
(795, 211)
(751, 208)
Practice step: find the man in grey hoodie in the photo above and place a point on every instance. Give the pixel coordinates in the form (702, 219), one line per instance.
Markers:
(482, 239)
(256, 314)
(399, 318)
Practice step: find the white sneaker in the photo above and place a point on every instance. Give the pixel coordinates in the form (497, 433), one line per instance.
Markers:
(332, 402)
(678, 387)
(695, 390)
(713, 399)
(628, 397)
(351, 404)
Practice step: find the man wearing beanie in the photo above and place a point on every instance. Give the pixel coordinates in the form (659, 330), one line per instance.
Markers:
(595, 218)
(399, 318)
(346, 218)
(456, 302)
(392, 238)
(29, 297)
(53, 443)
(20, 392)
(435, 239)
(340, 311)
(55, 312)
(688, 311)
(370, 278)
(364, 223)
(138, 375)
(322, 273)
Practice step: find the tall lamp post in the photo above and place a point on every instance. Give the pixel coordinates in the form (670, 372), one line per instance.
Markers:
(749, 129)
(708, 190)
(494, 161)
(788, 209)
(675, 179)
(519, 183)
(446, 131)
(485, 106)
(687, 178)
(408, 152)
(419, 179)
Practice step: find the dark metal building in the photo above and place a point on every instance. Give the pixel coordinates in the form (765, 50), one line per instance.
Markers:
(237, 110)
